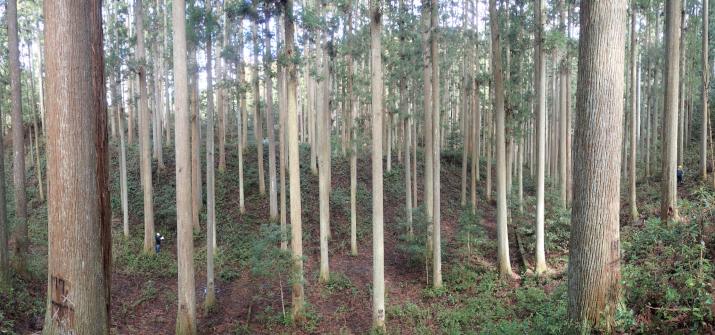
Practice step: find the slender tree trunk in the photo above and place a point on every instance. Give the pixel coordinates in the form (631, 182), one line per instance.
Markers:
(436, 152)
(270, 130)
(323, 139)
(668, 204)
(258, 127)
(464, 117)
(78, 248)
(312, 108)
(36, 130)
(210, 181)
(130, 122)
(681, 114)
(476, 110)
(5, 280)
(649, 96)
(123, 166)
(563, 111)
(194, 118)
(594, 260)
(704, 97)
(378, 251)
(502, 235)
(353, 146)
(632, 164)
(220, 106)
(282, 136)
(39, 76)
(241, 116)
(293, 158)
(427, 74)
(22, 241)
(145, 156)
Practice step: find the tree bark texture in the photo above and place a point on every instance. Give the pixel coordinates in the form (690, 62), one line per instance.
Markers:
(668, 204)
(502, 235)
(77, 299)
(594, 260)
(378, 248)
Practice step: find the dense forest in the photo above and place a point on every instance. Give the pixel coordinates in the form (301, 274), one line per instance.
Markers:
(356, 167)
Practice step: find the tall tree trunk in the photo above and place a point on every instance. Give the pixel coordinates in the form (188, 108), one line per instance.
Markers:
(22, 241)
(323, 139)
(156, 112)
(78, 248)
(270, 130)
(464, 117)
(633, 206)
(5, 280)
(502, 236)
(132, 105)
(282, 135)
(649, 96)
(427, 74)
(39, 76)
(353, 139)
(258, 127)
(194, 118)
(241, 116)
(123, 164)
(436, 153)
(310, 82)
(293, 158)
(681, 92)
(210, 179)
(378, 249)
(594, 260)
(704, 97)
(220, 105)
(35, 128)
(476, 108)
(186, 311)
(668, 204)
(563, 111)
(144, 155)
(101, 143)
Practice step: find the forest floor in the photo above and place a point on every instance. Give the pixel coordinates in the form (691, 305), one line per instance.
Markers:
(667, 275)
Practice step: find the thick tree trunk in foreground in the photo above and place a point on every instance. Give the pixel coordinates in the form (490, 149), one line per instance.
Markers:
(294, 167)
(502, 235)
(378, 248)
(668, 204)
(22, 241)
(186, 311)
(77, 266)
(594, 260)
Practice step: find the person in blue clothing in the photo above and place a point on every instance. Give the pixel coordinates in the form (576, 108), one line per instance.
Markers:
(680, 174)
(159, 238)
